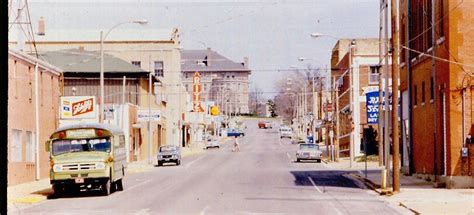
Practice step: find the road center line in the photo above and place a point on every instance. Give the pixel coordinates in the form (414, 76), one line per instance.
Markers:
(314, 185)
(289, 157)
(194, 161)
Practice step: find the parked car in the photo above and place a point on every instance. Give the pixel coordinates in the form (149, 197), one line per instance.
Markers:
(261, 124)
(169, 154)
(308, 152)
(286, 132)
(212, 143)
(269, 125)
(235, 133)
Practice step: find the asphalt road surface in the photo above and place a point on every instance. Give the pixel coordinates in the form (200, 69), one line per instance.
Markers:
(262, 178)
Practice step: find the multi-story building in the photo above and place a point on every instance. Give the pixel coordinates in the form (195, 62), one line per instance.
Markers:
(154, 50)
(224, 81)
(437, 90)
(34, 87)
(355, 68)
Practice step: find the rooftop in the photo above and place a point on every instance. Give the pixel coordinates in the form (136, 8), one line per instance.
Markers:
(210, 61)
(81, 61)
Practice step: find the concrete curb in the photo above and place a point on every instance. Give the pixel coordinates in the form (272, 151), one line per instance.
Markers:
(411, 209)
(371, 185)
(376, 188)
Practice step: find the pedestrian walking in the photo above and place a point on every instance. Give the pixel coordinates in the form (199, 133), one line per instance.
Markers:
(236, 144)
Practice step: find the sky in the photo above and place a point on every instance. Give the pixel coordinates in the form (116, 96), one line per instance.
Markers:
(272, 33)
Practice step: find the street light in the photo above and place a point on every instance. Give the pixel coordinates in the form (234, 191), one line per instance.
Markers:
(102, 38)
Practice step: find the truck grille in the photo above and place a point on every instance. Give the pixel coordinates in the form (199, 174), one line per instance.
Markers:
(76, 167)
(166, 156)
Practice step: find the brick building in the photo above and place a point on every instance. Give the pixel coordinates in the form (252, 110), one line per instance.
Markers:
(31, 98)
(436, 94)
(355, 68)
(224, 81)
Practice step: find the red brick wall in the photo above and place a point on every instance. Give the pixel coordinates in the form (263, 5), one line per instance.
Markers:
(21, 116)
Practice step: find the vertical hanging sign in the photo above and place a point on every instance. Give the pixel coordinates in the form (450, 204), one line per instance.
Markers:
(197, 91)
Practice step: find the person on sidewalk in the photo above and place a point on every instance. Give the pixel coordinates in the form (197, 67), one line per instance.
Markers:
(236, 144)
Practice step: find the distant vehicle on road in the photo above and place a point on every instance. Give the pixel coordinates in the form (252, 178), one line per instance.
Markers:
(286, 132)
(87, 156)
(308, 152)
(264, 125)
(212, 143)
(169, 154)
(235, 133)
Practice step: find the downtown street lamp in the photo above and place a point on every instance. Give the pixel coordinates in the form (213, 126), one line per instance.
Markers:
(102, 38)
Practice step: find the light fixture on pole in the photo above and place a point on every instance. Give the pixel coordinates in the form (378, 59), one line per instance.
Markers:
(102, 38)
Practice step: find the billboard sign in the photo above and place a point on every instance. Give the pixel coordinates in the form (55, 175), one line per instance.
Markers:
(77, 107)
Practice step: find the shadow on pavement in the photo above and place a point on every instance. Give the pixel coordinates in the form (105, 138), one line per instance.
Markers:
(325, 178)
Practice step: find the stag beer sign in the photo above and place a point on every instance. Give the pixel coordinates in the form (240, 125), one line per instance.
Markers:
(78, 107)
(197, 92)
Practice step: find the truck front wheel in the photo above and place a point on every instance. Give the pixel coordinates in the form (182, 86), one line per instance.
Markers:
(107, 187)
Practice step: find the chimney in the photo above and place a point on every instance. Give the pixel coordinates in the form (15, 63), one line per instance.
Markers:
(209, 56)
(41, 30)
(246, 62)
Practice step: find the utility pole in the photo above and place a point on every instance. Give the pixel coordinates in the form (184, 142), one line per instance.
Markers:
(395, 77)
(351, 101)
(386, 141)
(380, 115)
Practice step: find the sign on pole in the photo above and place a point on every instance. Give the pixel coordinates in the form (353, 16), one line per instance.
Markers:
(372, 106)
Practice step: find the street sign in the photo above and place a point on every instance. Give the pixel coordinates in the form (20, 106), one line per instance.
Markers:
(143, 115)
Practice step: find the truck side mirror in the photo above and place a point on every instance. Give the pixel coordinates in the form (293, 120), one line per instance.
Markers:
(46, 145)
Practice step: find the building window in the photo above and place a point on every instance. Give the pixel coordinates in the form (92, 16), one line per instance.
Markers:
(186, 75)
(233, 76)
(30, 147)
(374, 74)
(415, 96)
(159, 68)
(431, 88)
(205, 87)
(227, 76)
(423, 92)
(16, 151)
(137, 63)
(187, 87)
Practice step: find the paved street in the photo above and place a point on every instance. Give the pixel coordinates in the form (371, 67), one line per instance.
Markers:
(262, 178)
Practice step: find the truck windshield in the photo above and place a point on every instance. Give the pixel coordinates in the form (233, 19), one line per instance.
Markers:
(81, 145)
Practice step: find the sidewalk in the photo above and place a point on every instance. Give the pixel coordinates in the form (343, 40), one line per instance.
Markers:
(23, 195)
(415, 194)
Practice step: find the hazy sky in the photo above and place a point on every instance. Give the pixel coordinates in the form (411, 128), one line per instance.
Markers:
(273, 34)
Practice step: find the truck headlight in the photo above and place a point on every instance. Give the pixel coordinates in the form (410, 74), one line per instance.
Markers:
(57, 167)
(100, 165)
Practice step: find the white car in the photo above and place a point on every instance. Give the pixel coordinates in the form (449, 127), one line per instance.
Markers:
(212, 143)
(309, 152)
(286, 132)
